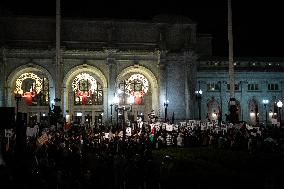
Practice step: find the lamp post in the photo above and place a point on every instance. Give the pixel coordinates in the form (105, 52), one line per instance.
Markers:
(122, 109)
(111, 113)
(221, 104)
(166, 104)
(198, 94)
(18, 97)
(115, 103)
(265, 102)
(279, 105)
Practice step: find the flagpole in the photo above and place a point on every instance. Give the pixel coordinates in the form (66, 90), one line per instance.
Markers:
(233, 107)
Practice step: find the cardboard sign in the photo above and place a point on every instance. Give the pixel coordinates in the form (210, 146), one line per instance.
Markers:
(43, 139)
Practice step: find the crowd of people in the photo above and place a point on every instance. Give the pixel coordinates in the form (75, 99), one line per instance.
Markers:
(82, 156)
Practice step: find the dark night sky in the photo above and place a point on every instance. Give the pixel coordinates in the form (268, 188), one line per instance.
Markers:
(256, 24)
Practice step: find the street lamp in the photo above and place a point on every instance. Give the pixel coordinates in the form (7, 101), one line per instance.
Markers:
(198, 94)
(279, 105)
(122, 109)
(166, 103)
(115, 103)
(265, 102)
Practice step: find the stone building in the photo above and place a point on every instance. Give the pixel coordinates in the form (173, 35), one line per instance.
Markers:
(151, 61)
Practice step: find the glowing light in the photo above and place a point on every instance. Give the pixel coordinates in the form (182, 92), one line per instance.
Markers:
(279, 104)
(68, 118)
(252, 114)
(37, 85)
(214, 115)
(79, 114)
(139, 78)
(86, 77)
(131, 99)
(115, 100)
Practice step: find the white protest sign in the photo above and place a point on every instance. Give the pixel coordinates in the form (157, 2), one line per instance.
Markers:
(249, 127)
(169, 127)
(182, 124)
(209, 124)
(203, 126)
(8, 133)
(157, 126)
(274, 121)
(191, 122)
(128, 131)
(176, 127)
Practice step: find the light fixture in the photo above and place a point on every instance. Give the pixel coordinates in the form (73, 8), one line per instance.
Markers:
(131, 99)
(115, 100)
(265, 101)
(279, 104)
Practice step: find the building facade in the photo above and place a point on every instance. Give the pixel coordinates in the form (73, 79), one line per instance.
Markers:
(150, 61)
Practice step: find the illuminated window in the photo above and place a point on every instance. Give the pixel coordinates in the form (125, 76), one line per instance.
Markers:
(33, 88)
(213, 87)
(87, 91)
(253, 87)
(236, 87)
(273, 87)
(137, 86)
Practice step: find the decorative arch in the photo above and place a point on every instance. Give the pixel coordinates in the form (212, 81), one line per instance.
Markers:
(214, 110)
(253, 111)
(31, 67)
(84, 68)
(137, 69)
(238, 108)
(272, 108)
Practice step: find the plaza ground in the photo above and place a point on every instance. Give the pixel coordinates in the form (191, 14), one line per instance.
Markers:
(203, 167)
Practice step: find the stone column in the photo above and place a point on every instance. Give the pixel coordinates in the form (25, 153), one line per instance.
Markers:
(2, 79)
(162, 79)
(190, 84)
(111, 86)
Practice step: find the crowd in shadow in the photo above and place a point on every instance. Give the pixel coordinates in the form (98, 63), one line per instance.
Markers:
(83, 157)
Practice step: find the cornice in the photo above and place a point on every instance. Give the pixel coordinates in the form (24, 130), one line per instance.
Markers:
(84, 54)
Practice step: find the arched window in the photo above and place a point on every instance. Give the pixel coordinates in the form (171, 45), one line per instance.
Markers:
(87, 90)
(137, 86)
(34, 89)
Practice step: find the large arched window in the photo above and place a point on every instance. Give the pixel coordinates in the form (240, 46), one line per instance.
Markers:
(87, 90)
(34, 89)
(137, 86)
